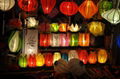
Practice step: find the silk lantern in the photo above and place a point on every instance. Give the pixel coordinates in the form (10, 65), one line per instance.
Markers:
(74, 40)
(104, 5)
(65, 56)
(40, 60)
(68, 8)
(63, 27)
(6, 5)
(31, 59)
(96, 28)
(55, 40)
(92, 58)
(72, 54)
(56, 57)
(74, 28)
(102, 56)
(28, 5)
(83, 56)
(112, 16)
(54, 27)
(48, 5)
(84, 39)
(48, 59)
(22, 61)
(88, 9)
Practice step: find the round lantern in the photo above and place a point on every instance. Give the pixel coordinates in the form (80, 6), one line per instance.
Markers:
(112, 16)
(63, 27)
(88, 9)
(22, 61)
(102, 56)
(65, 56)
(96, 28)
(83, 56)
(6, 5)
(31, 59)
(55, 40)
(73, 28)
(118, 41)
(92, 58)
(48, 5)
(28, 5)
(54, 27)
(72, 54)
(74, 40)
(68, 8)
(56, 57)
(84, 39)
(40, 60)
(48, 59)
(104, 5)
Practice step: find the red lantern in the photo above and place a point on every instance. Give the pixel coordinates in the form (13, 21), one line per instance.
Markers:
(48, 59)
(68, 8)
(31, 61)
(28, 5)
(92, 58)
(48, 5)
(83, 56)
(88, 9)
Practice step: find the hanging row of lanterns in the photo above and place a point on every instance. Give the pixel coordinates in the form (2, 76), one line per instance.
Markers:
(48, 59)
(64, 40)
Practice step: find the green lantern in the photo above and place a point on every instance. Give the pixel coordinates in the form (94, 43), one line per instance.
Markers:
(54, 27)
(22, 61)
(104, 5)
(74, 40)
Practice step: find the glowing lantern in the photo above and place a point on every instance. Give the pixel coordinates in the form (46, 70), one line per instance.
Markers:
(92, 58)
(102, 55)
(112, 16)
(118, 41)
(48, 5)
(28, 5)
(88, 9)
(73, 28)
(104, 5)
(48, 59)
(44, 40)
(40, 61)
(96, 28)
(72, 54)
(74, 40)
(63, 27)
(6, 5)
(84, 39)
(56, 57)
(83, 56)
(65, 56)
(68, 8)
(31, 61)
(54, 27)
(55, 40)
(44, 27)
(22, 61)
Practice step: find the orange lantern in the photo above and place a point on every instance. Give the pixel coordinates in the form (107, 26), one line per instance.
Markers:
(31, 61)
(63, 27)
(48, 59)
(40, 61)
(88, 9)
(92, 58)
(84, 39)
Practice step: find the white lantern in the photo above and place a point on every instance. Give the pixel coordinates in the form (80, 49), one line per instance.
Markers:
(74, 28)
(113, 16)
(72, 54)
(6, 5)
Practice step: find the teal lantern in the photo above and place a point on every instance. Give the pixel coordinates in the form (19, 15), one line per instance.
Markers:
(65, 56)
(22, 61)
(105, 5)
(54, 27)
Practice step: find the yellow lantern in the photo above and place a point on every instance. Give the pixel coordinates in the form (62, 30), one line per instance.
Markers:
(74, 28)
(56, 57)
(102, 56)
(72, 54)
(96, 28)
(40, 60)
(6, 5)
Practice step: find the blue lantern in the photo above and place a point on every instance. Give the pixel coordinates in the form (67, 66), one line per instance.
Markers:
(65, 56)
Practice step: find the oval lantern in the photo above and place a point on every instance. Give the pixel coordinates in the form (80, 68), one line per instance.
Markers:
(92, 58)
(74, 28)
(88, 9)
(84, 39)
(54, 27)
(112, 16)
(68, 8)
(40, 60)
(63, 27)
(22, 61)
(74, 40)
(96, 28)
(118, 41)
(104, 5)
(102, 56)
(72, 54)
(65, 56)
(56, 57)
(83, 56)
(48, 5)
(48, 59)
(6, 5)
(31, 59)
(28, 5)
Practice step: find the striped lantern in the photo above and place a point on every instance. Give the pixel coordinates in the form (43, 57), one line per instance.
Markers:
(74, 40)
